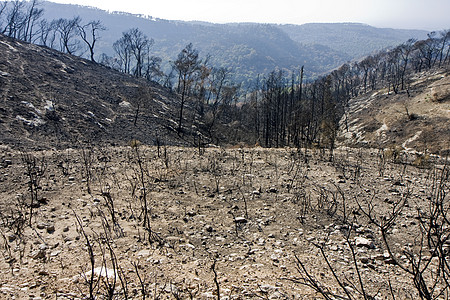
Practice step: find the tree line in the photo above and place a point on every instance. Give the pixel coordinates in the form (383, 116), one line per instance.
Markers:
(291, 112)
(24, 21)
(281, 109)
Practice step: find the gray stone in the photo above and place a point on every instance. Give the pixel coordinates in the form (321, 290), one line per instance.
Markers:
(37, 254)
(41, 226)
(365, 260)
(50, 228)
(11, 237)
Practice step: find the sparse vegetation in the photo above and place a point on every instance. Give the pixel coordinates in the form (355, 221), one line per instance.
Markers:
(34, 172)
(304, 217)
(253, 238)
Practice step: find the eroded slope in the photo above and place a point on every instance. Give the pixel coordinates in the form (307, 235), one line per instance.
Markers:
(418, 119)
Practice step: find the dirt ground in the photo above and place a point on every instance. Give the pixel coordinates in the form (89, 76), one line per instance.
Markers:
(239, 220)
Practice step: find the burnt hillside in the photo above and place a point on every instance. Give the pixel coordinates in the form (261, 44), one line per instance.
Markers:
(50, 99)
(415, 119)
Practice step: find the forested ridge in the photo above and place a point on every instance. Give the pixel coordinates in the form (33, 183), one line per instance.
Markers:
(354, 39)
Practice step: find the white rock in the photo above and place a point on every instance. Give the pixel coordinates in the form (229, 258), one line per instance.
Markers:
(101, 272)
(266, 287)
(363, 242)
(208, 295)
(125, 104)
(275, 257)
(144, 252)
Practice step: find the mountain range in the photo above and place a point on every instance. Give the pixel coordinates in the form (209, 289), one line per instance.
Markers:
(248, 49)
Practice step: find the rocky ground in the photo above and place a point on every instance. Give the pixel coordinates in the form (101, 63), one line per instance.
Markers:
(242, 221)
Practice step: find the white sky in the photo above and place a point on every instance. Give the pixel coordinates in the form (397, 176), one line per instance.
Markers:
(414, 14)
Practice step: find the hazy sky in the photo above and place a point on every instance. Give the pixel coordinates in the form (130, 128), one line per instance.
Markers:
(417, 14)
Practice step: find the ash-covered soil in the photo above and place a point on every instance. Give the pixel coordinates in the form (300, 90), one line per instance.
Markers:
(235, 220)
(49, 99)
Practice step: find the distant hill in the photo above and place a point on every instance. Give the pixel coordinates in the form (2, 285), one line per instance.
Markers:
(248, 48)
(353, 39)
